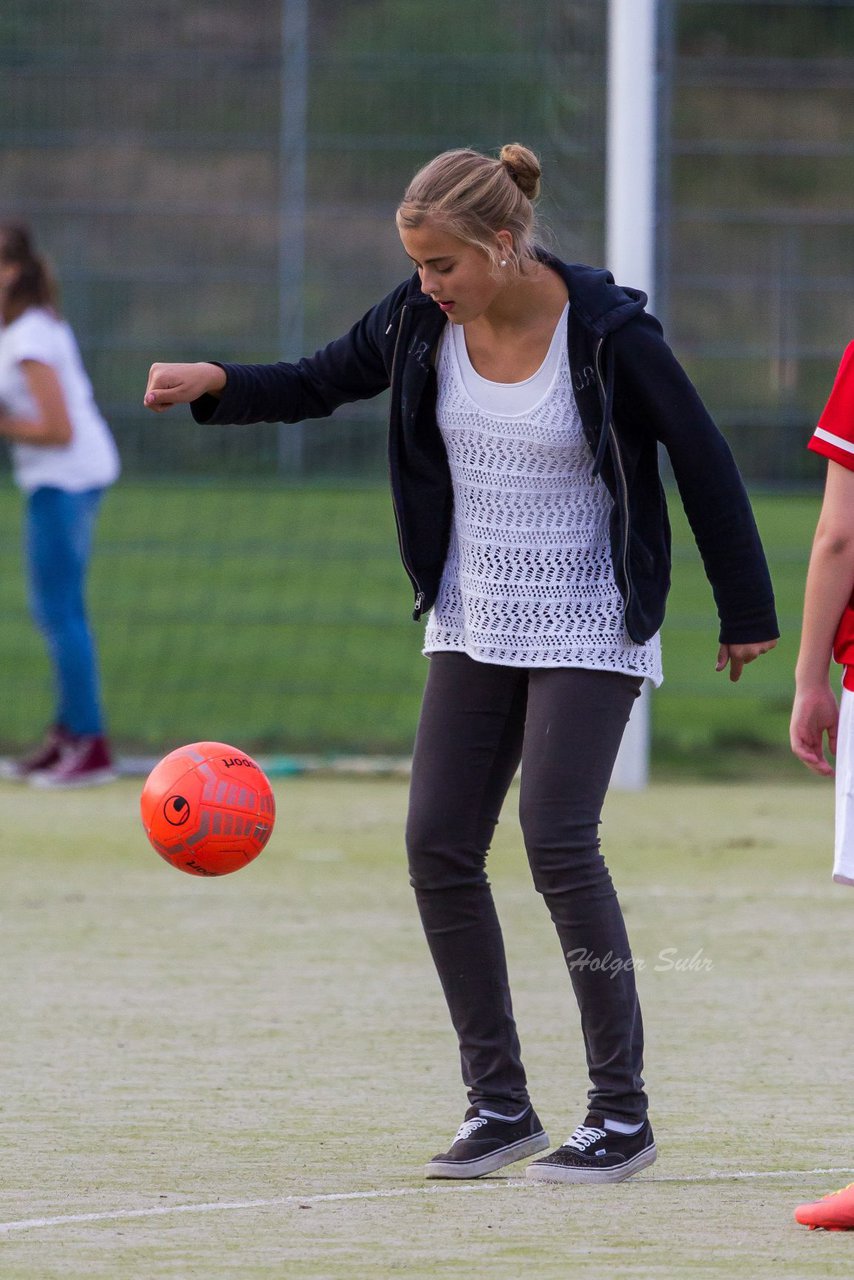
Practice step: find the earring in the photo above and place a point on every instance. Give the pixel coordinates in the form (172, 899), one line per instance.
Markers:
(503, 262)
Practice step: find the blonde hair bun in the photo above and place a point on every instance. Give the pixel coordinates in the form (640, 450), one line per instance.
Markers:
(468, 195)
(523, 167)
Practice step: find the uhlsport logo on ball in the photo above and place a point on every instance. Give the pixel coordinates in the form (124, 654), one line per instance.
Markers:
(208, 808)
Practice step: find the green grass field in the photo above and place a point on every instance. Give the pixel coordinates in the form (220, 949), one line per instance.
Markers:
(244, 1077)
(278, 618)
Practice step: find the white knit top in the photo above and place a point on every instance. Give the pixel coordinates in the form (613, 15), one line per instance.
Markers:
(528, 581)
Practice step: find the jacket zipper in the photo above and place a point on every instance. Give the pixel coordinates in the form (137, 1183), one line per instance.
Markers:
(419, 594)
(621, 477)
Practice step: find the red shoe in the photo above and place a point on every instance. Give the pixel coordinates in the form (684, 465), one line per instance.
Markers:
(834, 1212)
(83, 762)
(44, 756)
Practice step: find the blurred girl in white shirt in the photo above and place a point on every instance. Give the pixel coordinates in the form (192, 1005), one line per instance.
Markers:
(63, 458)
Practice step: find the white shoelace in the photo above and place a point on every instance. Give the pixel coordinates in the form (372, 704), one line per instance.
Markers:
(585, 1136)
(468, 1127)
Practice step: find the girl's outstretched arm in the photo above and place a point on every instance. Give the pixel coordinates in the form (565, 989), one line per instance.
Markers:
(170, 384)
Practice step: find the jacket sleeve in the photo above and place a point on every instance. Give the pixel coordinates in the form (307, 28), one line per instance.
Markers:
(355, 366)
(653, 387)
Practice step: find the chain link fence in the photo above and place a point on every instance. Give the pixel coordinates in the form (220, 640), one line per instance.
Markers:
(218, 179)
(756, 218)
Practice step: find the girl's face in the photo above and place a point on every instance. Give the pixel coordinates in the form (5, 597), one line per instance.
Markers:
(458, 276)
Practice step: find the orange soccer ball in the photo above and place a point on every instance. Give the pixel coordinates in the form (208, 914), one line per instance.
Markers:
(208, 809)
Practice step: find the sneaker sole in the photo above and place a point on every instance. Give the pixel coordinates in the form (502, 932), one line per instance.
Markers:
(487, 1164)
(540, 1172)
(96, 778)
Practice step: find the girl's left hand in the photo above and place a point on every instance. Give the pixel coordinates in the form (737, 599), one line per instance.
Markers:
(738, 655)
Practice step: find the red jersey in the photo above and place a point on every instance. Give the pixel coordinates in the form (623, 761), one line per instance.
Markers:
(834, 438)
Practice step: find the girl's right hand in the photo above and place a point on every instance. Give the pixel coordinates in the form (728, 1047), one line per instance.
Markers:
(170, 384)
(815, 719)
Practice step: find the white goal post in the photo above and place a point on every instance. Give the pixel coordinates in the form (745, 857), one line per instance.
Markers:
(630, 233)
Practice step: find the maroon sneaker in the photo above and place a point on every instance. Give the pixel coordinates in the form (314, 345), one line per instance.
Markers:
(44, 756)
(84, 761)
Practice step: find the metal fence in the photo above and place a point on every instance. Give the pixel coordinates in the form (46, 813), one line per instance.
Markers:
(219, 177)
(756, 214)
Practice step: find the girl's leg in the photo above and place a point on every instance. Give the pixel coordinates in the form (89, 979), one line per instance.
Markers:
(59, 529)
(466, 752)
(575, 722)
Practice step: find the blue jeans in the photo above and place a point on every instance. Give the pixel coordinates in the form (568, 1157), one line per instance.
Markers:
(58, 542)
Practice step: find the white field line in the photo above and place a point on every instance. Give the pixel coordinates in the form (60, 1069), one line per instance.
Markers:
(223, 1206)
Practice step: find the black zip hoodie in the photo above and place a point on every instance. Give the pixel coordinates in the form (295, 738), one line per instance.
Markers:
(632, 394)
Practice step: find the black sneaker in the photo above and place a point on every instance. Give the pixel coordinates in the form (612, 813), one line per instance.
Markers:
(595, 1154)
(486, 1141)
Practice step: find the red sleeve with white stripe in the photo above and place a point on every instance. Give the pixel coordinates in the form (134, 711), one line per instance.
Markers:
(834, 435)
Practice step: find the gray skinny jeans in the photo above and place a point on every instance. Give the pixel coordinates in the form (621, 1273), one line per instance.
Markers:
(478, 722)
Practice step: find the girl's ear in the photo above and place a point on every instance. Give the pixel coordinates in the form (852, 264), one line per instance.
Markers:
(505, 242)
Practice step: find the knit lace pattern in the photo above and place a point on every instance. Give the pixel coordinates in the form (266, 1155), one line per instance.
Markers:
(528, 580)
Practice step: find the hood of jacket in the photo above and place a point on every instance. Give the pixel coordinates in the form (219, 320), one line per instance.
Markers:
(602, 304)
